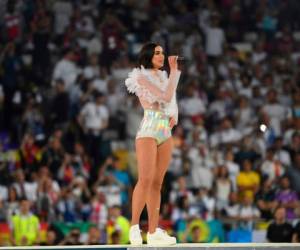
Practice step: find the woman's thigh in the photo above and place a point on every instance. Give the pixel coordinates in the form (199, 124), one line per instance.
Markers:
(164, 156)
(146, 153)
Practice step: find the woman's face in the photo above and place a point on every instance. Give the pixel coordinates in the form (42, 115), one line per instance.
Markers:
(223, 171)
(158, 57)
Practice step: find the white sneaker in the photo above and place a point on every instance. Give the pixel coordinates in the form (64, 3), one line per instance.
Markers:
(160, 238)
(135, 237)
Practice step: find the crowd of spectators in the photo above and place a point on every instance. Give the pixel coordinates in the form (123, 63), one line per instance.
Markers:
(68, 126)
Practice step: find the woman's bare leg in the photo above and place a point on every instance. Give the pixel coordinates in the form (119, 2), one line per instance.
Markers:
(146, 152)
(164, 154)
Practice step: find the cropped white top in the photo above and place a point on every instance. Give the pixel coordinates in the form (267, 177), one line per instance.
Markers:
(145, 90)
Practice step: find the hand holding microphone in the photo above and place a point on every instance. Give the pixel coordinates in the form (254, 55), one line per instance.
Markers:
(173, 61)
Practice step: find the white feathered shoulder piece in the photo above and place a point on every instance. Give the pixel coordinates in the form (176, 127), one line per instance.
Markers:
(134, 87)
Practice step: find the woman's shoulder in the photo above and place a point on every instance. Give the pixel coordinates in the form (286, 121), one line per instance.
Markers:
(131, 81)
(134, 72)
(161, 73)
(146, 72)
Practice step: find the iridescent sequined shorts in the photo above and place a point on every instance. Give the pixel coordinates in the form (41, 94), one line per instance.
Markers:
(155, 124)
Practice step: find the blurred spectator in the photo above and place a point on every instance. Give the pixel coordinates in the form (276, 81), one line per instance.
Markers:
(244, 115)
(296, 235)
(12, 21)
(120, 224)
(294, 145)
(267, 131)
(112, 39)
(218, 108)
(201, 166)
(99, 210)
(51, 238)
(24, 188)
(216, 228)
(191, 106)
(294, 172)
(296, 104)
(24, 226)
(181, 210)
(32, 118)
(41, 28)
(3, 192)
(204, 204)
(280, 230)
(232, 168)
(48, 192)
(72, 238)
(62, 11)
(231, 211)
(247, 180)
(121, 176)
(94, 236)
(257, 96)
(194, 237)
(109, 184)
(258, 55)
(59, 112)
(287, 198)
(12, 202)
(281, 154)
(66, 69)
(81, 161)
(134, 116)
(3, 211)
(82, 196)
(248, 213)
(116, 238)
(180, 190)
(197, 135)
(247, 151)
(115, 103)
(2, 100)
(11, 63)
(225, 135)
(265, 199)
(29, 153)
(275, 110)
(67, 206)
(271, 168)
(53, 155)
(245, 93)
(215, 37)
(223, 187)
(93, 119)
(66, 172)
(268, 23)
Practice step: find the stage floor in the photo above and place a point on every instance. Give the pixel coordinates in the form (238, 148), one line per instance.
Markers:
(201, 246)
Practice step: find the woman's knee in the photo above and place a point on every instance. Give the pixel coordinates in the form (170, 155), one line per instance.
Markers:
(144, 183)
(156, 185)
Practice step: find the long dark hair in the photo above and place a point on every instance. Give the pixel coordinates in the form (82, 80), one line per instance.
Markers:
(146, 54)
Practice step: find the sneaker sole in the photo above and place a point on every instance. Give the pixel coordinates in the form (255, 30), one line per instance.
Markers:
(158, 244)
(136, 243)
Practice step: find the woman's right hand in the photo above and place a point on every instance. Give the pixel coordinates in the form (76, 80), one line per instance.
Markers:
(173, 62)
(172, 122)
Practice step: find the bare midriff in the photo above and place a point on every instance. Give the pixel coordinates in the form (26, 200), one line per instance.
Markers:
(147, 105)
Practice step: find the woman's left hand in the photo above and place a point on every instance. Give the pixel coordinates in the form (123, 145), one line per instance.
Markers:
(172, 122)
